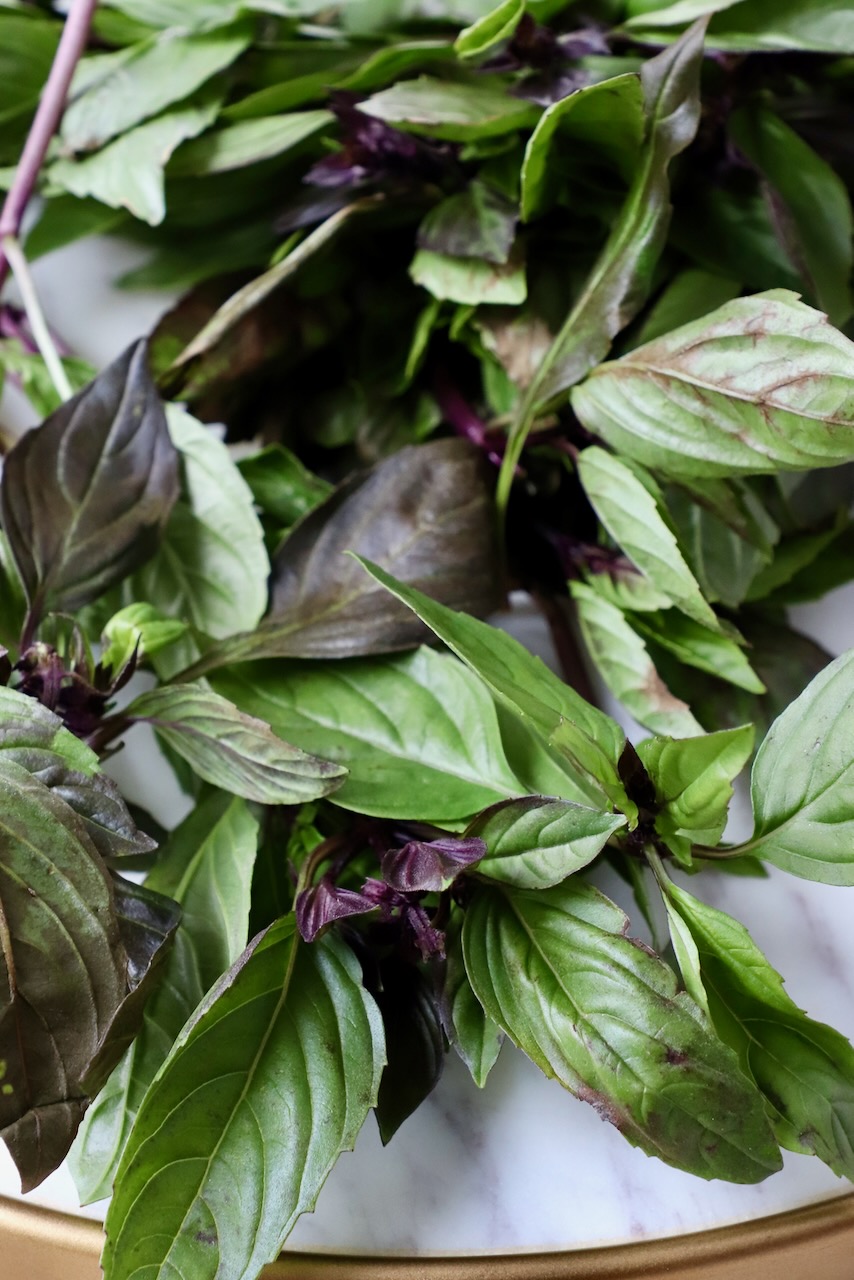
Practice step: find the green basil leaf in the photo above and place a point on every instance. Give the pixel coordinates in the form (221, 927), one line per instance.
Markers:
(490, 30)
(27, 49)
(123, 89)
(212, 568)
(821, 26)
(693, 780)
(804, 1068)
(238, 1077)
(697, 646)
(417, 733)
(456, 112)
(811, 206)
(621, 278)
(634, 519)
(138, 629)
(281, 485)
(536, 842)
(84, 497)
(469, 1029)
(763, 384)
(425, 512)
(470, 281)
(231, 750)
(791, 557)
(36, 739)
(603, 1015)
(725, 562)
(246, 142)
(129, 172)
(623, 661)
(608, 116)
(207, 868)
(801, 778)
(588, 739)
(63, 970)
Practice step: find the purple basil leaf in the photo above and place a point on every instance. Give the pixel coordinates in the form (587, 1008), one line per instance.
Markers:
(63, 970)
(430, 865)
(85, 496)
(425, 514)
(147, 924)
(324, 903)
(98, 801)
(415, 1043)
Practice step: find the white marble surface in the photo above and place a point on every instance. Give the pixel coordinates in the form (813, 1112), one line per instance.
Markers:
(521, 1165)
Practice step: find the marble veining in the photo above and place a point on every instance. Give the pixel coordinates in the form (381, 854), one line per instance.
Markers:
(521, 1165)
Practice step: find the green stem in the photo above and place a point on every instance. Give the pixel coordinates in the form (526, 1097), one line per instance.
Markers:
(14, 255)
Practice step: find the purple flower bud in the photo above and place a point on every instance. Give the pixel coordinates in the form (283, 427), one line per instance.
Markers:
(324, 903)
(429, 866)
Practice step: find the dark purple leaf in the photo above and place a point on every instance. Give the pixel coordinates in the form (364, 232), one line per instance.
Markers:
(425, 514)
(63, 970)
(147, 924)
(415, 1043)
(85, 496)
(430, 865)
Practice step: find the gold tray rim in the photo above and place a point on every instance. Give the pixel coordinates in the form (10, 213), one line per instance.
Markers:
(71, 1246)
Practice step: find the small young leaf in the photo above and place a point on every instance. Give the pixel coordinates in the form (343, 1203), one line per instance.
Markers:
(536, 842)
(801, 781)
(763, 384)
(585, 736)
(85, 496)
(597, 1011)
(495, 26)
(476, 1038)
(231, 750)
(693, 780)
(138, 629)
(804, 1068)
(239, 1078)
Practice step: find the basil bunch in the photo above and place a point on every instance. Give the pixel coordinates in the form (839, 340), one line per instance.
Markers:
(526, 296)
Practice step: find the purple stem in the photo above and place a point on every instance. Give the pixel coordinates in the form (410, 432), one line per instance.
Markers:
(71, 45)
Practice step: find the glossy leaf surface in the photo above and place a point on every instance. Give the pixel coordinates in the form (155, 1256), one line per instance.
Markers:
(237, 1136)
(85, 496)
(596, 1011)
